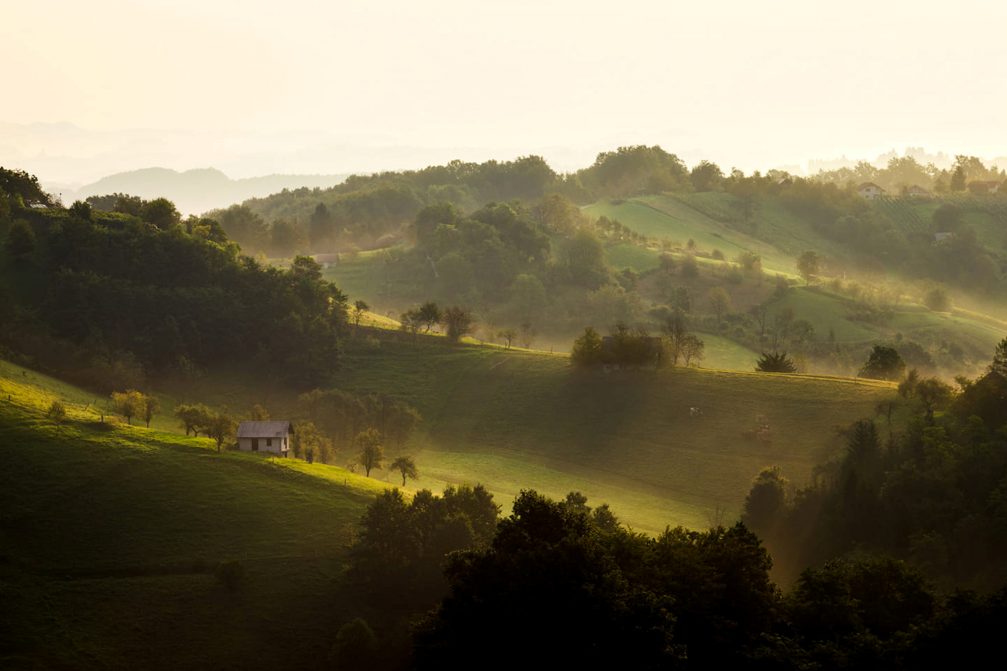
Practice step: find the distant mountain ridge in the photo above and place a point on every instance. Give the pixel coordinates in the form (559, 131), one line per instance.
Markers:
(198, 190)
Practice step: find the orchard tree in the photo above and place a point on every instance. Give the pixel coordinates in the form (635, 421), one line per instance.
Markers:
(372, 453)
(508, 336)
(221, 426)
(407, 467)
(359, 308)
(428, 315)
(458, 322)
(151, 406)
(692, 349)
(194, 417)
(129, 404)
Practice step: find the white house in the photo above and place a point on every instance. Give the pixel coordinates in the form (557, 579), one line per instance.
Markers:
(917, 192)
(870, 191)
(264, 437)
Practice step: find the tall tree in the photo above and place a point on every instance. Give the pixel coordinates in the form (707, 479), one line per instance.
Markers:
(372, 453)
(809, 265)
(406, 467)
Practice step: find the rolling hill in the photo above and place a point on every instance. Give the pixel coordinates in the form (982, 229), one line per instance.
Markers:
(109, 537)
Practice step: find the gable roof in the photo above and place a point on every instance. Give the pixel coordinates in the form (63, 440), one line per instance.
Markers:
(867, 185)
(275, 429)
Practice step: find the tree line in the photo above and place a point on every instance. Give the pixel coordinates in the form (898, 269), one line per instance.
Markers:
(107, 298)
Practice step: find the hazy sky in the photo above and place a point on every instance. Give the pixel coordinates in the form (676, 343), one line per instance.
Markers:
(297, 86)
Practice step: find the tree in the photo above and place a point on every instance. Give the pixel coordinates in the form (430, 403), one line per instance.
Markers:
(221, 426)
(310, 444)
(937, 300)
(356, 646)
(458, 322)
(129, 404)
(160, 213)
(407, 467)
(585, 260)
(409, 322)
(80, 210)
(508, 335)
(359, 308)
(884, 363)
(692, 349)
(958, 179)
(150, 407)
(706, 176)
(765, 501)
(428, 315)
(371, 454)
(933, 394)
(587, 349)
(320, 226)
(258, 414)
(777, 362)
(20, 242)
(194, 417)
(999, 364)
(720, 302)
(809, 265)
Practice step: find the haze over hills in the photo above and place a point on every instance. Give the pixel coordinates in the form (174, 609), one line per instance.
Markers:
(197, 190)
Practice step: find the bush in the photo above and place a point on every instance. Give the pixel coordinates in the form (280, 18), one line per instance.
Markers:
(56, 411)
(937, 300)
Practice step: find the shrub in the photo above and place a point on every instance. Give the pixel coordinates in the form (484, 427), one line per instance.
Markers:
(56, 411)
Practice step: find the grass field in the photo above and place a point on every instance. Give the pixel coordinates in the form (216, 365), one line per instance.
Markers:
(109, 536)
(110, 533)
(506, 418)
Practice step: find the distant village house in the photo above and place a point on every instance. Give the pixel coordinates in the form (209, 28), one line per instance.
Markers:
(987, 187)
(917, 192)
(273, 436)
(870, 191)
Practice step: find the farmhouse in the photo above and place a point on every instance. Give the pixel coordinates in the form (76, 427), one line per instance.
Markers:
(987, 186)
(264, 437)
(917, 192)
(870, 191)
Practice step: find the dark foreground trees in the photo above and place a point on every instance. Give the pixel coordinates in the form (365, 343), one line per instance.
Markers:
(569, 587)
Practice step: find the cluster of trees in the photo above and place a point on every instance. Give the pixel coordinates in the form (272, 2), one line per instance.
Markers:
(107, 297)
(457, 321)
(928, 488)
(132, 403)
(566, 585)
(636, 347)
(216, 424)
(370, 210)
(400, 550)
(902, 172)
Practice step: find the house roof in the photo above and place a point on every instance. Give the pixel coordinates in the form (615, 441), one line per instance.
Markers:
(276, 429)
(867, 185)
(917, 189)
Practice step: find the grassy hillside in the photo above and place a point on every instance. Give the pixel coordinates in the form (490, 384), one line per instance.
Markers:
(625, 437)
(516, 419)
(110, 535)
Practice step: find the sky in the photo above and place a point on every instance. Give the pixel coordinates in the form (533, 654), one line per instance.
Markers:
(254, 87)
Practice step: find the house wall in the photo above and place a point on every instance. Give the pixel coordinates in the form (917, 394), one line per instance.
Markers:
(279, 446)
